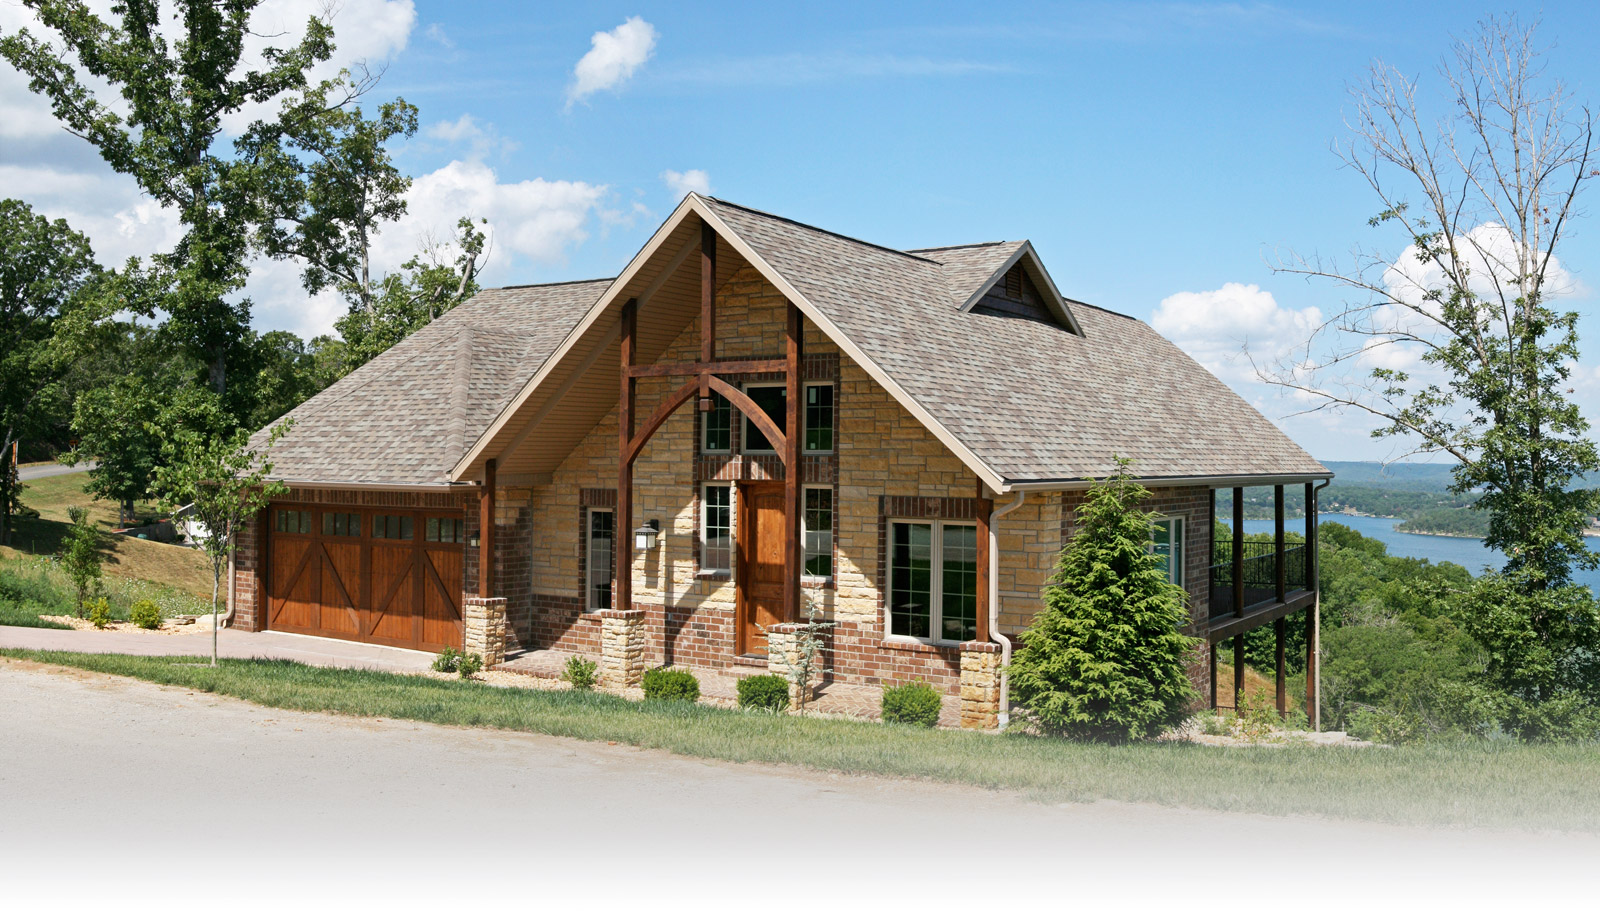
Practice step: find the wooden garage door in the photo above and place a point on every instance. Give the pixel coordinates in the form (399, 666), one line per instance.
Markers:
(383, 576)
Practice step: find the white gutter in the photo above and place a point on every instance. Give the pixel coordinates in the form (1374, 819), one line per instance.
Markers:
(994, 606)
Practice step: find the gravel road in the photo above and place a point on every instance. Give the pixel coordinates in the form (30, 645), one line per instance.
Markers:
(116, 793)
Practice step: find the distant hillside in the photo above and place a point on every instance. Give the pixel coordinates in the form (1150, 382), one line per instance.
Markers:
(1431, 477)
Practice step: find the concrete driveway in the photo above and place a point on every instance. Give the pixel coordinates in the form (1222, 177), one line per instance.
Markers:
(120, 794)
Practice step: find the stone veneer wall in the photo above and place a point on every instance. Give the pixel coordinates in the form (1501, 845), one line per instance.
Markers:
(881, 450)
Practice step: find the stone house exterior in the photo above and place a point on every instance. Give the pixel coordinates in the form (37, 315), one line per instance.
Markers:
(947, 408)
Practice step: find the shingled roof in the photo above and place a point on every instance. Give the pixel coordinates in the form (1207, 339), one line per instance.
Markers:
(1022, 400)
(405, 418)
(1033, 401)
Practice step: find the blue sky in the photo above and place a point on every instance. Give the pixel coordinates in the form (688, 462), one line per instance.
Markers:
(1147, 149)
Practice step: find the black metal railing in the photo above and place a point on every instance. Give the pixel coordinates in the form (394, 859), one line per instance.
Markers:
(1260, 574)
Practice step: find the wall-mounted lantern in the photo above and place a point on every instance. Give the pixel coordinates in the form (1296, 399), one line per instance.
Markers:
(644, 537)
(473, 541)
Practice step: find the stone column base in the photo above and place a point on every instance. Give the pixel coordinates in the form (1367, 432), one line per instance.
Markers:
(980, 685)
(484, 629)
(621, 648)
(781, 650)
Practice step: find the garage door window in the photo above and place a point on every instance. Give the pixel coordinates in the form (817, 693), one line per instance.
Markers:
(395, 527)
(345, 524)
(296, 521)
(443, 530)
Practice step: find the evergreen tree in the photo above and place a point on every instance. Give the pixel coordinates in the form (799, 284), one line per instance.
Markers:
(1106, 658)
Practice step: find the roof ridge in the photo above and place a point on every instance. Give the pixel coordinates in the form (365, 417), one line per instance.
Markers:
(987, 243)
(812, 227)
(502, 288)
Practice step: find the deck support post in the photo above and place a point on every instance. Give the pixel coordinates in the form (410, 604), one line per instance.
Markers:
(622, 562)
(794, 436)
(1212, 648)
(1313, 614)
(1283, 680)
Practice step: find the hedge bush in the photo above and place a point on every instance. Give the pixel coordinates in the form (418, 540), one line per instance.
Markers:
(662, 683)
(145, 614)
(447, 661)
(580, 672)
(913, 703)
(764, 691)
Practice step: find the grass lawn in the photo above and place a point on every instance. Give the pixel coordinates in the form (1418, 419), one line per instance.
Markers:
(1539, 787)
(183, 569)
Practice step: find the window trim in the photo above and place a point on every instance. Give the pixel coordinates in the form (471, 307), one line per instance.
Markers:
(733, 519)
(935, 579)
(1170, 518)
(744, 421)
(589, 585)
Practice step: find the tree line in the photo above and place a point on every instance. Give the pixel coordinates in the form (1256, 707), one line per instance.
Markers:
(118, 362)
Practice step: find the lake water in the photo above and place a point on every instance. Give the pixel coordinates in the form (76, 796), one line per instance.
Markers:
(1468, 552)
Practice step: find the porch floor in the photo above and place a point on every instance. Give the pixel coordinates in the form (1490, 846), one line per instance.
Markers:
(719, 687)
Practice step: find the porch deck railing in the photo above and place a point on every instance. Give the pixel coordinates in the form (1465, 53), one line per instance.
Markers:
(1260, 575)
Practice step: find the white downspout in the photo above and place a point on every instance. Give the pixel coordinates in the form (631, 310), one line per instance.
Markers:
(994, 605)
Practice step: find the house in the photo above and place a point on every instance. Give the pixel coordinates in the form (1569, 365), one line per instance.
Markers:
(754, 414)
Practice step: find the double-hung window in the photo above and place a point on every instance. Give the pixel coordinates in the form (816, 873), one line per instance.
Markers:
(716, 427)
(716, 528)
(1166, 543)
(817, 417)
(598, 568)
(818, 534)
(933, 581)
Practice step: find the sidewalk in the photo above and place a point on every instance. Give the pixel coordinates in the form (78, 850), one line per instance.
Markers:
(320, 652)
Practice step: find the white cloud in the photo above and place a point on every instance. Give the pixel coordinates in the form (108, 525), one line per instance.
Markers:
(480, 138)
(1219, 327)
(436, 33)
(681, 184)
(612, 59)
(1490, 253)
(537, 219)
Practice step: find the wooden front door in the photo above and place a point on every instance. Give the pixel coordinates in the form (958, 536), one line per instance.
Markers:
(760, 585)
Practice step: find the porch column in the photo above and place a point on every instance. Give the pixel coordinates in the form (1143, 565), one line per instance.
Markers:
(486, 531)
(1280, 551)
(1238, 594)
(983, 507)
(794, 437)
(622, 563)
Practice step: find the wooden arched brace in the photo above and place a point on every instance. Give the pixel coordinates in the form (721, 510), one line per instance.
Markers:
(736, 397)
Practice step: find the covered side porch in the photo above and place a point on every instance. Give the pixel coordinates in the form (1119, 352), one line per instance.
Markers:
(1254, 583)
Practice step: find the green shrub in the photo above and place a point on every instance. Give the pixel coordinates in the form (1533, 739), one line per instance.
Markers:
(764, 691)
(1384, 725)
(580, 672)
(145, 614)
(662, 683)
(468, 664)
(1107, 658)
(448, 661)
(913, 703)
(98, 611)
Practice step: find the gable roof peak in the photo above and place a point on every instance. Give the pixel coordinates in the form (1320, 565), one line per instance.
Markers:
(811, 227)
